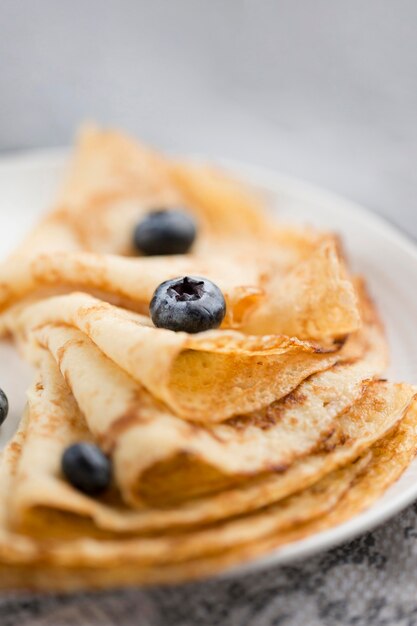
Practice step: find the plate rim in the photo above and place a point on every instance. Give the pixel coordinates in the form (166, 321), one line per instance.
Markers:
(369, 519)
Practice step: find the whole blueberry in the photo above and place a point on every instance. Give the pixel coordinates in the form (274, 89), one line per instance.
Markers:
(165, 232)
(191, 304)
(4, 406)
(87, 468)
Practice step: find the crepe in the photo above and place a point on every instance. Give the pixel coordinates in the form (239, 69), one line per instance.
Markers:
(113, 182)
(390, 458)
(331, 311)
(55, 422)
(316, 300)
(182, 459)
(387, 462)
(224, 444)
(203, 377)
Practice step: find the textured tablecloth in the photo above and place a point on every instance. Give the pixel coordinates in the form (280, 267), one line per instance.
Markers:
(370, 581)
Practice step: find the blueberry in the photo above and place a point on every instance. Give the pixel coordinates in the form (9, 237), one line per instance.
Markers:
(190, 304)
(86, 467)
(4, 406)
(165, 232)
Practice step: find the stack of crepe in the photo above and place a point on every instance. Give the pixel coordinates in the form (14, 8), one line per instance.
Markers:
(225, 444)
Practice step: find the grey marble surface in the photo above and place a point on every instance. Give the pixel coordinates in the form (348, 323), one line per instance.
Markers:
(323, 89)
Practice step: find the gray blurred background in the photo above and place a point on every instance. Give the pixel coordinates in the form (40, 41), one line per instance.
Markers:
(322, 89)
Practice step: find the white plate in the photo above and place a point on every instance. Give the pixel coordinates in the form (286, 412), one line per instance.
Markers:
(376, 249)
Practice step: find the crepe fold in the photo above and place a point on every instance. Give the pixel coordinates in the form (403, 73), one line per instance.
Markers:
(316, 300)
(224, 444)
(169, 558)
(55, 422)
(205, 377)
(162, 456)
(258, 263)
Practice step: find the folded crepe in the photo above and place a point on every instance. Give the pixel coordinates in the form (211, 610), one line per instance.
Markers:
(39, 548)
(295, 277)
(63, 565)
(162, 455)
(316, 300)
(203, 377)
(55, 422)
(224, 444)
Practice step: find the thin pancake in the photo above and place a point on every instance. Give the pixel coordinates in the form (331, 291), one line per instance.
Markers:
(118, 410)
(389, 459)
(151, 434)
(205, 377)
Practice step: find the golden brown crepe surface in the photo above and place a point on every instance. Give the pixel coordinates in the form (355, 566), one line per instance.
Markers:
(225, 444)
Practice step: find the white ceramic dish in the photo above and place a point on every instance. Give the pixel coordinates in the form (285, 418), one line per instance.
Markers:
(387, 258)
